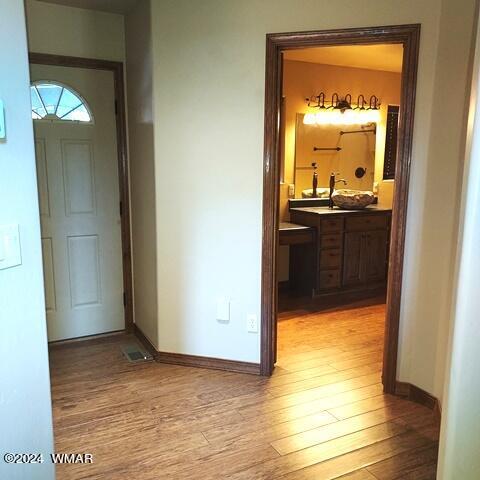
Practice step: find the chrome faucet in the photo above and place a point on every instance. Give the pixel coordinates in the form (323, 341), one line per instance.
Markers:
(333, 182)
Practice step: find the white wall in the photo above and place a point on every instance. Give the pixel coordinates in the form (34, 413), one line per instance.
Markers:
(209, 62)
(61, 30)
(25, 407)
(460, 439)
(142, 167)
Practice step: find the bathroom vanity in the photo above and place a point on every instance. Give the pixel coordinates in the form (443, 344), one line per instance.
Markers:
(349, 252)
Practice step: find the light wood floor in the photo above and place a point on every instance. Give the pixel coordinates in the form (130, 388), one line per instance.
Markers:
(321, 416)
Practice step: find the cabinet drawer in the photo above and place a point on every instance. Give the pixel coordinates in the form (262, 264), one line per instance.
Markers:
(329, 279)
(331, 240)
(331, 225)
(366, 222)
(330, 258)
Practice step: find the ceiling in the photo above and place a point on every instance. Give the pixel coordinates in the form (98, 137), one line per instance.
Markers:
(112, 6)
(387, 58)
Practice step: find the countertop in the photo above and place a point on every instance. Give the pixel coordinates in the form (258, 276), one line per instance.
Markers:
(337, 211)
(288, 227)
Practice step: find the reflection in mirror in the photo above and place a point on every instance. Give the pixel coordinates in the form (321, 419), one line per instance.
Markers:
(348, 150)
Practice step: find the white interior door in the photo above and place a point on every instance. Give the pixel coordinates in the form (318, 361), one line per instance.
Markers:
(79, 208)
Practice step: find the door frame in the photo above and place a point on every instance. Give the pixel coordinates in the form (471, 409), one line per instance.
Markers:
(122, 157)
(276, 43)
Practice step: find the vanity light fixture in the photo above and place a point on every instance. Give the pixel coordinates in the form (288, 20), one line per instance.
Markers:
(341, 111)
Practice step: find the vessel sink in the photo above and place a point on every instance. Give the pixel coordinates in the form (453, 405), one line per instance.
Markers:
(352, 199)
(322, 192)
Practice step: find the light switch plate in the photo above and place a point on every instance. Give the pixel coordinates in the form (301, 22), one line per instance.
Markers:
(10, 253)
(2, 252)
(223, 309)
(3, 133)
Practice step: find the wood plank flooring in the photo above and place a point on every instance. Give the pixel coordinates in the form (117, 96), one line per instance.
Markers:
(321, 416)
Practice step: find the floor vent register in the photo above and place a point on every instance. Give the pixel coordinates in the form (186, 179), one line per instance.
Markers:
(134, 353)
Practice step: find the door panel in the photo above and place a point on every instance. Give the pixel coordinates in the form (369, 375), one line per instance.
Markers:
(42, 177)
(79, 176)
(84, 269)
(48, 274)
(375, 255)
(80, 216)
(352, 264)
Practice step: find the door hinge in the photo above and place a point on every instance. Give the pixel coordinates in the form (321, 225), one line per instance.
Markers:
(124, 299)
(116, 107)
(121, 208)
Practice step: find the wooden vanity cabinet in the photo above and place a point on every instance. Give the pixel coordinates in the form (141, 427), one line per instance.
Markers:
(352, 249)
(330, 254)
(365, 257)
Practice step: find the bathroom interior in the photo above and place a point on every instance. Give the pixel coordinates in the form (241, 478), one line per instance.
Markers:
(338, 130)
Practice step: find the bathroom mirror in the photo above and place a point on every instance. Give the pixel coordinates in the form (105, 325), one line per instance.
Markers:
(348, 150)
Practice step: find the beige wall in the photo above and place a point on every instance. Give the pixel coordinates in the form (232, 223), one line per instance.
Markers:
(25, 404)
(302, 80)
(62, 30)
(432, 223)
(459, 439)
(211, 85)
(142, 168)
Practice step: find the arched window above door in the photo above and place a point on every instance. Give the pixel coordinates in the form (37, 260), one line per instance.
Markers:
(57, 102)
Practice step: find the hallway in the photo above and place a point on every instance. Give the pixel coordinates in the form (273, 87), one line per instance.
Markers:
(321, 416)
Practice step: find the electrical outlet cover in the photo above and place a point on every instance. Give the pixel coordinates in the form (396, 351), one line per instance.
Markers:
(252, 323)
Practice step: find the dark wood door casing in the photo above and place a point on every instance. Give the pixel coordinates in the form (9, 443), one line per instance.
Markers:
(409, 37)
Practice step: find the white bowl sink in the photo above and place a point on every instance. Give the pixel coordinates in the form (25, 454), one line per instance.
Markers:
(352, 199)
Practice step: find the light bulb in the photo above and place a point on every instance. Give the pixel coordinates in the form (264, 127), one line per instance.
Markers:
(372, 116)
(349, 117)
(336, 117)
(309, 119)
(321, 117)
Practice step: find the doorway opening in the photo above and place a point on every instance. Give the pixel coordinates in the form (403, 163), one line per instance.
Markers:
(78, 110)
(326, 124)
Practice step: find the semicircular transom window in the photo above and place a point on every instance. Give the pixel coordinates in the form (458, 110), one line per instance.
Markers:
(56, 102)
